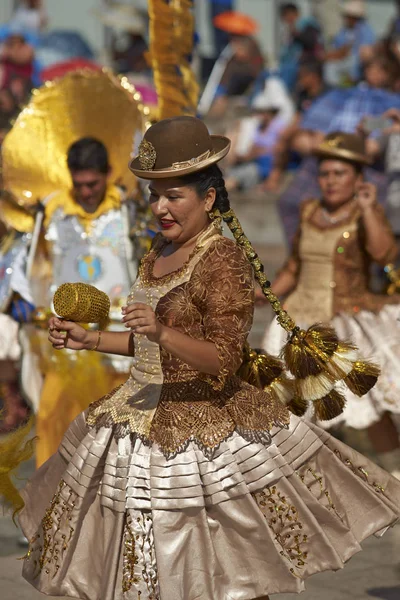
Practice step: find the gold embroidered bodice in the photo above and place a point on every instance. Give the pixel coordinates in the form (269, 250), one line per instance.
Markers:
(332, 268)
(166, 401)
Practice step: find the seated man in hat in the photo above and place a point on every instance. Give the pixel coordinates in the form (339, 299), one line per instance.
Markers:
(252, 159)
(344, 62)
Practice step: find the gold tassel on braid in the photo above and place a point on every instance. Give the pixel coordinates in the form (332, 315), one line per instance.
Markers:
(316, 358)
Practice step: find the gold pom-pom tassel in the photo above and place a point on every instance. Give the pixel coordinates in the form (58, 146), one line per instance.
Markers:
(266, 372)
(298, 406)
(283, 388)
(314, 387)
(259, 368)
(362, 378)
(14, 450)
(307, 352)
(330, 406)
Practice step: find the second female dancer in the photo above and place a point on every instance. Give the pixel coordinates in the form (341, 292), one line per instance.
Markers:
(327, 279)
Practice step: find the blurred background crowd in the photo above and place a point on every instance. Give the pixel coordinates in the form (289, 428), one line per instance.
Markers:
(275, 76)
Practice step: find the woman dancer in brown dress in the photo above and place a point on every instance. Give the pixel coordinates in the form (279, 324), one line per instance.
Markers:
(187, 482)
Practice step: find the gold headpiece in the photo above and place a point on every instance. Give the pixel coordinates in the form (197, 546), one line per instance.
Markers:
(82, 303)
(83, 103)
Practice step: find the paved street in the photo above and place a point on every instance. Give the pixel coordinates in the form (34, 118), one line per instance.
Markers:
(374, 573)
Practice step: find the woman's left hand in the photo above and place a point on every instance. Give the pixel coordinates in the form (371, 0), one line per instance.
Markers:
(141, 318)
(366, 196)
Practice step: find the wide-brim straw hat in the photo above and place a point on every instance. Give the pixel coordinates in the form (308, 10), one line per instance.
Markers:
(177, 146)
(354, 8)
(343, 146)
(236, 23)
(122, 17)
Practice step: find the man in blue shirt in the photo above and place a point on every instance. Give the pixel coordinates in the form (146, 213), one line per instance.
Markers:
(344, 62)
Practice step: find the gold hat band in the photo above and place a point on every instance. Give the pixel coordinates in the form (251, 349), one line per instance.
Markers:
(189, 163)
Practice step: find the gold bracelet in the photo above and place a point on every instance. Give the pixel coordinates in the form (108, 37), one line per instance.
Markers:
(97, 343)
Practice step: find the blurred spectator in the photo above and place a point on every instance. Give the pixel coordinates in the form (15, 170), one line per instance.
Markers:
(338, 110)
(328, 15)
(273, 93)
(302, 40)
(242, 69)
(394, 31)
(128, 46)
(344, 62)
(221, 38)
(310, 87)
(256, 165)
(8, 112)
(342, 109)
(30, 15)
(386, 145)
(16, 59)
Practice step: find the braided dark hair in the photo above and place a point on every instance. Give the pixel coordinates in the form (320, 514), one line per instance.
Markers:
(202, 181)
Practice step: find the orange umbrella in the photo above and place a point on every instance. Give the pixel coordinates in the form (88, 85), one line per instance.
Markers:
(236, 23)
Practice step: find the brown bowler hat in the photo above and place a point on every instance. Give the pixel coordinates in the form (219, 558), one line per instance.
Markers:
(346, 146)
(177, 146)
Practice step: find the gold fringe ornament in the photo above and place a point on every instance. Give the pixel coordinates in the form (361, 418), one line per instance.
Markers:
(14, 450)
(266, 372)
(171, 45)
(317, 360)
(330, 406)
(82, 303)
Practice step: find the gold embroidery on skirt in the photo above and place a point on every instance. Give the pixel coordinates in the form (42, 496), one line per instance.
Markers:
(324, 491)
(47, 542)
(130, 557)
(360, 472)
(283, 518)
(139, 560)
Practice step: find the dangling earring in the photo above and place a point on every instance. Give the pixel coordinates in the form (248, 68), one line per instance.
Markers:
(215, 217)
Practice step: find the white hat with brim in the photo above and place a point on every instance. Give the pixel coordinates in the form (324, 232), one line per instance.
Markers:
(122, 17)
(354, 8)
(262, 102)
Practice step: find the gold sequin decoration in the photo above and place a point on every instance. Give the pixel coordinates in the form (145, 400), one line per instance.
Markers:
(283, 518)
(55, 533)
(82, 303)
(360, 472)
(147, 155)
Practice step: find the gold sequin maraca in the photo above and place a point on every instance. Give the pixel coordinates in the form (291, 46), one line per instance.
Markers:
(82, 303)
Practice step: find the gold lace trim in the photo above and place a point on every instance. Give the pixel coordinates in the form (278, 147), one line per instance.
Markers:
(194, 410)
(146, 268)
(208, 422)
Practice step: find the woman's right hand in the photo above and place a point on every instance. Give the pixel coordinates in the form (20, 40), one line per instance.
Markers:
(67, 334)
